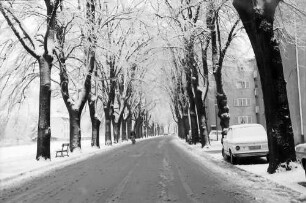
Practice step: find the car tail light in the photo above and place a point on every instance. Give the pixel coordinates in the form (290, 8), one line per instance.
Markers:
(237, 148)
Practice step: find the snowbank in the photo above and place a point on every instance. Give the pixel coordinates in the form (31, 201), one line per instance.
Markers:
(294, 179)
(18, 163)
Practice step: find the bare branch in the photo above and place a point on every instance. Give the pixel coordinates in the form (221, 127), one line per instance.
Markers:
(17, 34)
(49, 22)
(22, 29)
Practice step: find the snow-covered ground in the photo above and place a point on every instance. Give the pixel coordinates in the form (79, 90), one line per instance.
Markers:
(18, 163)
(294, 179)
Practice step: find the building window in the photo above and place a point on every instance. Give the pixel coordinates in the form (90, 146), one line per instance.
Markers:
(242, 102)
(243, 85)
(244, 119)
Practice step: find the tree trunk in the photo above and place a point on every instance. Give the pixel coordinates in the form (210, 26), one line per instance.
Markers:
(200, 107)
(190, 71)
(181, 128)
(44, 130)
(201, 117)
(95, 139)
(123, 126)
(75, 108)
(108, 134)
(45, 65)
(129, 126)
(116, 130)
(140, 132)
(192, 112)
(186, 126)
(194, 126)
(258, 24)
(223, 110)
(95, 123)
(137, 128)
(206, 83)
(145, 131)
(75, 129)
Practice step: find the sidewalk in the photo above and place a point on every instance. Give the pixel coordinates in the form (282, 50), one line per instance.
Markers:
(18, 163)
(294, 179)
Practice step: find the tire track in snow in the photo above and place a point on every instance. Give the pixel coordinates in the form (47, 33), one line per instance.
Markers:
(118, 191)
(186, 187)
(167, 177)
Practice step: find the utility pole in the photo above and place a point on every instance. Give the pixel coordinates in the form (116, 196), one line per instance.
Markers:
(298, 79)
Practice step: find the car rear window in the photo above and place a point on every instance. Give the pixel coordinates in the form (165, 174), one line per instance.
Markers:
(249, 133)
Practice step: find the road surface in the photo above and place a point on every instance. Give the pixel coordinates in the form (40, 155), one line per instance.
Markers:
(153, 170)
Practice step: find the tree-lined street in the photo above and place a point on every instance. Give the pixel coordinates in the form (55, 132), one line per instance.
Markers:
(93, 75)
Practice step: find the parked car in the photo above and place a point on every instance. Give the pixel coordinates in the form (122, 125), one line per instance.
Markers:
(245, 140)
(215, 135)
(301, 155)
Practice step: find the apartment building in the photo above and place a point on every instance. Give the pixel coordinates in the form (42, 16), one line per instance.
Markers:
(242, 86)
(294, 64)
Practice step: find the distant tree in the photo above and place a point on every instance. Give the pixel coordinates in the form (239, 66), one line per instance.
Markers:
(93, 110)
(258, 18)
(125, 48)
(183, 17)
(176, 91)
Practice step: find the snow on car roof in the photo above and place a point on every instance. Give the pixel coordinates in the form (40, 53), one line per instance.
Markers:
(245, 125)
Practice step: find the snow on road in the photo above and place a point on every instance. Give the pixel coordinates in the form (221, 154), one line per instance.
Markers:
(154, 170)
(18, 165)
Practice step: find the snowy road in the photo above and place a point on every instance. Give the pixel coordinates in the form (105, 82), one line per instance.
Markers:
(153, 170)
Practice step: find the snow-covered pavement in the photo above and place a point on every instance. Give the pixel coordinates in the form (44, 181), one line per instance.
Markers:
(294, 179)
(18, 163)
(163, 169)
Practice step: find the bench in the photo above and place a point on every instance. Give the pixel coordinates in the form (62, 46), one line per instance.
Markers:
(65, 148)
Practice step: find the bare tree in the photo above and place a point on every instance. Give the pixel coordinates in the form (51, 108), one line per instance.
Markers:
(184, 16)
(218, 56)
(75, 106)
(258, 19)
(45, 64)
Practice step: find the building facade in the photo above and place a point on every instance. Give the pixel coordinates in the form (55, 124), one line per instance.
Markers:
(294, 64)
(242, 86)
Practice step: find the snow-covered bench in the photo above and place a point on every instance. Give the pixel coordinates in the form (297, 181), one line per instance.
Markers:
(65, 148)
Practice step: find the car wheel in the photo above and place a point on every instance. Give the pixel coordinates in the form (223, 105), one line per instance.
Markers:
(268, 158)
(232, 158)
